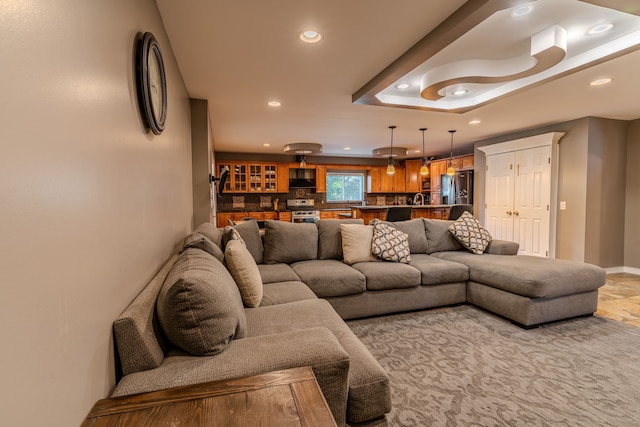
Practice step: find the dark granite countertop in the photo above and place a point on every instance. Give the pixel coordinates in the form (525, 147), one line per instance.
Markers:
(372, 207)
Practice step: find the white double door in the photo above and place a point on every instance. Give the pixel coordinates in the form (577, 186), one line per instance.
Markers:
(518, 197)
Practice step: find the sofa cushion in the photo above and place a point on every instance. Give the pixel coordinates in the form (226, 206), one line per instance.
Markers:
(211, 232)
(369, 390)
(271, 273)
(468, 231)
(435, 271)
(245, 272)
(289, 242)
(389, 243)
(529, 276)
(199, 305)
(417, 236)
(502, 247)
(382, 276)
(330, 238)
(285, 292)
(439, 238)
(250, 233)
(200, 241)
(330, 277)
(356, 243)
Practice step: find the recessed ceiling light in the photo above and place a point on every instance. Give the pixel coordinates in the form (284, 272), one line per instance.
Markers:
(521, 11)
(474, 122)
(403, 86)
(274, 103)
(266, 145)
(460, 92)
(599, 29)
(600, 82)
(347, 148)
(310, 36)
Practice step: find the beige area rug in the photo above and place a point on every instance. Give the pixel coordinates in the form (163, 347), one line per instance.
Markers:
(462, 366)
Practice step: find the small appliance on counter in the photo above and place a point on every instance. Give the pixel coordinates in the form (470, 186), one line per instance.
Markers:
(302, 210)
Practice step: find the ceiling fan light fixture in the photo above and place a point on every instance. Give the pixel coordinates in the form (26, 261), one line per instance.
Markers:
(390, 151)
(303, 148)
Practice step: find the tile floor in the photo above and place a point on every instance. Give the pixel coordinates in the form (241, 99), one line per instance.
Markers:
(619, 299)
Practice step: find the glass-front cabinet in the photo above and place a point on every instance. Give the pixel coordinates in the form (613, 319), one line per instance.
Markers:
(250, 177)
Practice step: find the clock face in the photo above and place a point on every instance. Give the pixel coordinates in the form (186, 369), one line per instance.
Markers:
(152, 86)
(155, 84)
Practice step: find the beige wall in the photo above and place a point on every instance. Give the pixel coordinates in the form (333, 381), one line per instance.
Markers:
(201, 161)
(91, 204)
(632, 205)
(606, 183)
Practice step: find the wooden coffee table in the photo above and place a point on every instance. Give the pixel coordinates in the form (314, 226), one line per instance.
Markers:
(290, 397)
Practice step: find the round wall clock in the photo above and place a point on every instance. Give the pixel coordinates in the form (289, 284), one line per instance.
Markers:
(151, 82)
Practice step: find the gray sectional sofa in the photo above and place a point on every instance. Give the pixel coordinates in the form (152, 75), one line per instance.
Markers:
(311, 278)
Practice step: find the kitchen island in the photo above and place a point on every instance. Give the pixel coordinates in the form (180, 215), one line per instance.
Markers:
(367, 213)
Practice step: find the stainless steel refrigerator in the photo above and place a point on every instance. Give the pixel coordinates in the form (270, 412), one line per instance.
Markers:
(457, 189)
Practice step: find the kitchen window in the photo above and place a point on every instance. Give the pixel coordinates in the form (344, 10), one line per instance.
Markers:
(345, 186)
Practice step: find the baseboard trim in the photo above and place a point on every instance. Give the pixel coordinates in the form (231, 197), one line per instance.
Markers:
(631, 270)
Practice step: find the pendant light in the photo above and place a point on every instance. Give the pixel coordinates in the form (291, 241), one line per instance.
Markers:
(390, 168)
(303, 161)
(424, 170)
(450, 170)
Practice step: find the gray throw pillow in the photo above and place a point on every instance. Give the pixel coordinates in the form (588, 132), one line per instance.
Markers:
(417, 236)
(199, 241)
(289, 242)
(439, 239)
(199, 306)
(211, 232)
(250, 233)
(330, 239)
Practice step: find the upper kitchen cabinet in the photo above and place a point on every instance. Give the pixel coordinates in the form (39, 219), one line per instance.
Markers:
(255, 177)
(321, 179)
(237, 180)
(378, 181)
(413, 179)
(262, 178)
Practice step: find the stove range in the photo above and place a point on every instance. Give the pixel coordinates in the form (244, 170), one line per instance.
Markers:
(302, 210)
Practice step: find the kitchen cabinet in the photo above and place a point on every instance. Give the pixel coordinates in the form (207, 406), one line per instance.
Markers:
(379, 182)
(237, 180)
(262, 177)
(321, 179)
(254, 177)
(413, 179)
(284, 215)
(282, 178)
(224, 217)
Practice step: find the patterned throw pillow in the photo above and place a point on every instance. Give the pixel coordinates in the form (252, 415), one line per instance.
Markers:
(234, 235)
(389, 243)
(468, 231)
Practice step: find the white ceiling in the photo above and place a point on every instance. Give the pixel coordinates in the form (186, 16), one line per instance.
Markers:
(241, 54)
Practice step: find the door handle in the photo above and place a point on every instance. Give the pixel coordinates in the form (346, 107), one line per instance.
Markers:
(509, 212)
(516, 213)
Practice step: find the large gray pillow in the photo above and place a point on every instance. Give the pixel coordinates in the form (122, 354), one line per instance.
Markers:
(250, 233)
(199, 306)
(417, 236)
(289, 242)
(330, 239)
(439, 239)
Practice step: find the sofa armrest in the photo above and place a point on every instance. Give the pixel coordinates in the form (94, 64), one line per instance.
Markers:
(502, 247)
(315, 347)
